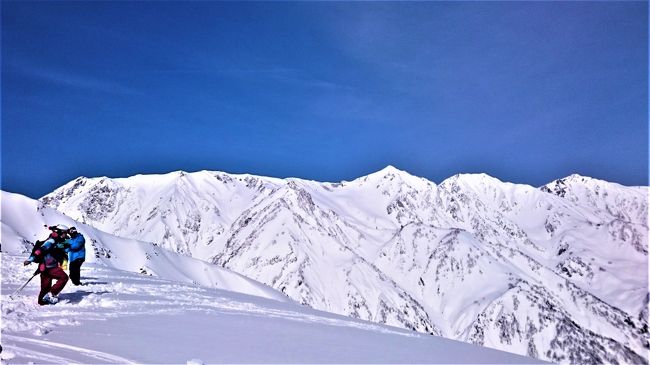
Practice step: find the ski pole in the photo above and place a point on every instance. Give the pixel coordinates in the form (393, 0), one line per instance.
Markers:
(24, 285)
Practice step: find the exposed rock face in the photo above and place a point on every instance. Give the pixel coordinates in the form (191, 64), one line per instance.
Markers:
(558, 273)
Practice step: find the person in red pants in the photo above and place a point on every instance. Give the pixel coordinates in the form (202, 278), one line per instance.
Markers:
(61, 278)
(49, 256)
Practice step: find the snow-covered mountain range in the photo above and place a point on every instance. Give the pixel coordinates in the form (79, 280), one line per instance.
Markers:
(140, 303)
(557, 273)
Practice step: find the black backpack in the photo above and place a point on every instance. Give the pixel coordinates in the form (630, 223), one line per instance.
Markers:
(56, 250)
(37, 258)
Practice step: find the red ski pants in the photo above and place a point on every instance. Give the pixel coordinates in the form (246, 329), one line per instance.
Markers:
(57, 274)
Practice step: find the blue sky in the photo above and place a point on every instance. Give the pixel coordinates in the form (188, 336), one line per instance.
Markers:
(524, 91)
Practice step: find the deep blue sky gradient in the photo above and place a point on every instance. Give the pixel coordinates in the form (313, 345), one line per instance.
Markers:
(524, 91)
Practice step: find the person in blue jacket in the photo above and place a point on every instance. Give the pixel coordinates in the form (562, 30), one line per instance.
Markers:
(76, 254)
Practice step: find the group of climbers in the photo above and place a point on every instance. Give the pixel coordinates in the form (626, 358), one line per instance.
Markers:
(64, 245)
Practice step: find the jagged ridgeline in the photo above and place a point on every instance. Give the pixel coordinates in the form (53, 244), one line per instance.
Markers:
(558, 272)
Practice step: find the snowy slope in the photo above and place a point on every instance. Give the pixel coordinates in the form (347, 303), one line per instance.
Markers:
(557, 273)
(23, 221)
(122, 317)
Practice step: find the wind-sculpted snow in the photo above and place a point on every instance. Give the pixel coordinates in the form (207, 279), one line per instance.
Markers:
(449, 259)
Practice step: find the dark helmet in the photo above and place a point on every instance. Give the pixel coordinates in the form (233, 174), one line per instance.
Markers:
(72, 231)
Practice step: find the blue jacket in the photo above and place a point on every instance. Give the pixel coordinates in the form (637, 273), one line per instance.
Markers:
(77, 249)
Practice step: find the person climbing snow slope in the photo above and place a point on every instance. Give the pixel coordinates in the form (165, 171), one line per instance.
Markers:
(49, 256)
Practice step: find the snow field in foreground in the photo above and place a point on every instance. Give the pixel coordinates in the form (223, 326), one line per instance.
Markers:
(122, 317)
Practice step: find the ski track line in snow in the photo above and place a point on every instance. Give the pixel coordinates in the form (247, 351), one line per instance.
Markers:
(96, 355)
(10, 352)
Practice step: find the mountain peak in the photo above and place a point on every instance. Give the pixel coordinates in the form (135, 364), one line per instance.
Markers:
(473, 179)
(580, 180)
(391, 174)
(578, 177)
(390, 170)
